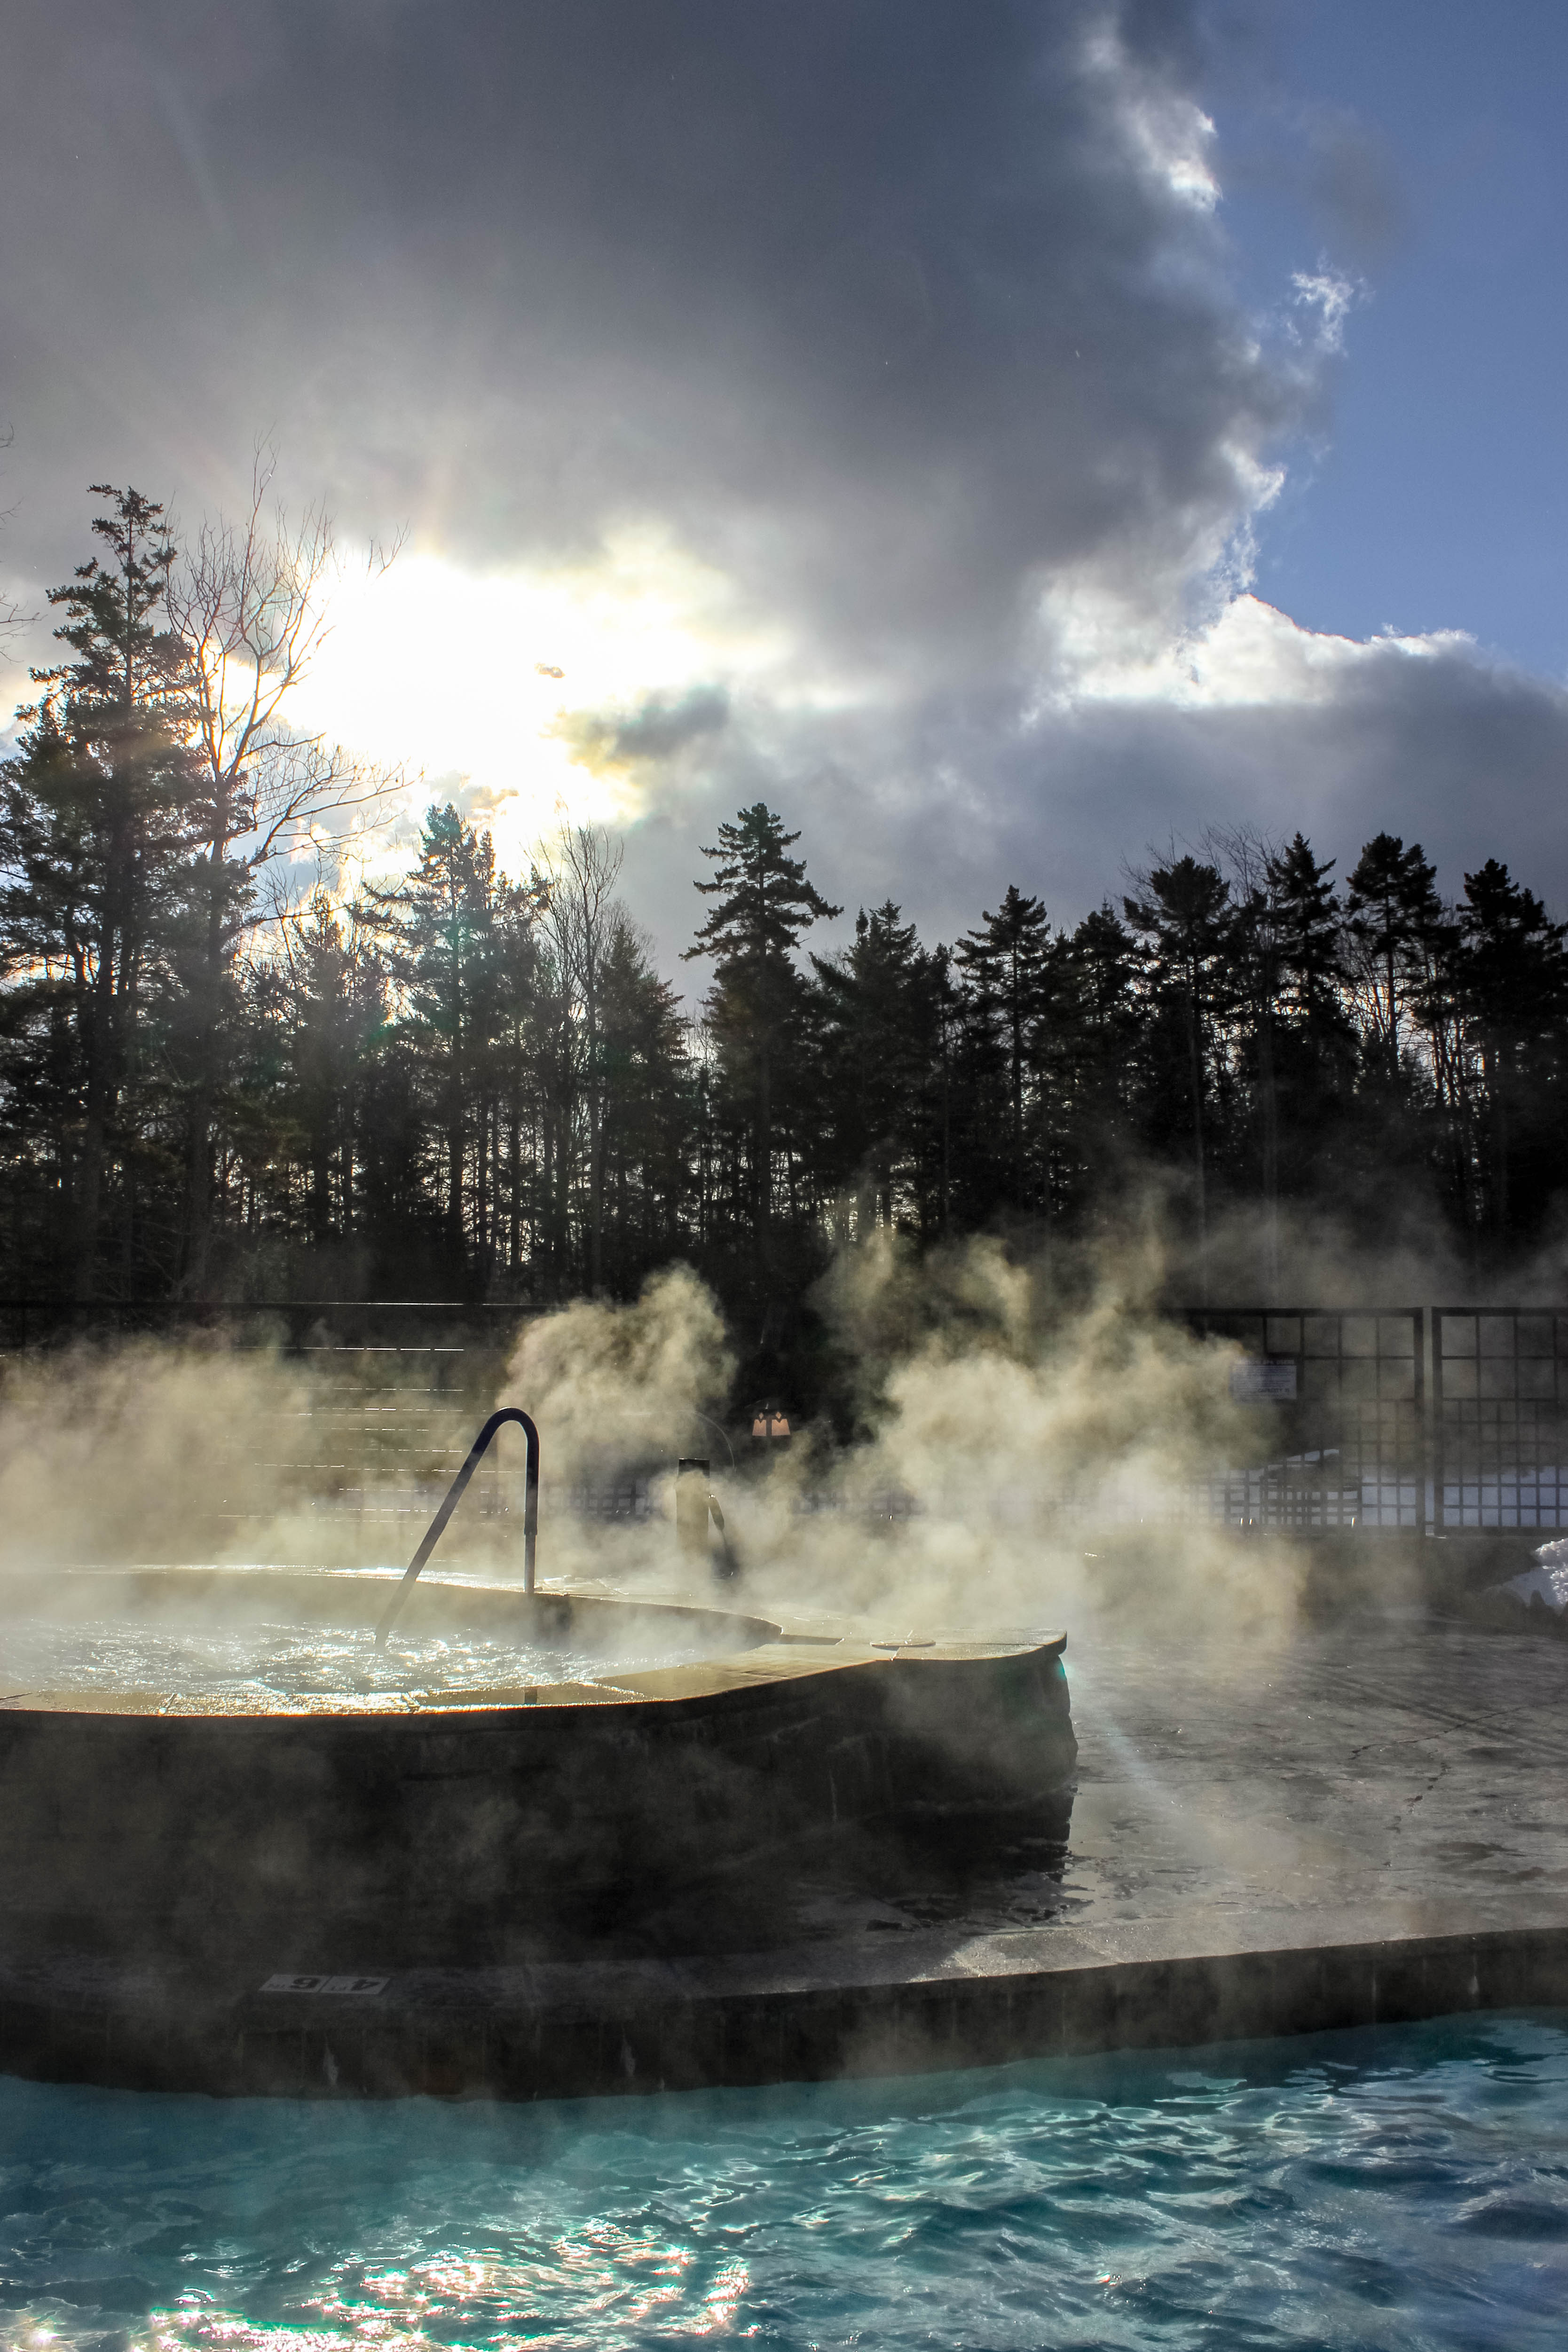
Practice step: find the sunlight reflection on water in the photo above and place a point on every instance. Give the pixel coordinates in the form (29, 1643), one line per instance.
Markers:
(287, 1661)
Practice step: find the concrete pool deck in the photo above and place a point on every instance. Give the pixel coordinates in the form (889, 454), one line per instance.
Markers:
(1363, 1824)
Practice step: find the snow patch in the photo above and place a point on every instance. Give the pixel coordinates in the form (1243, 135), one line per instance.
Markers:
(1547, 1583)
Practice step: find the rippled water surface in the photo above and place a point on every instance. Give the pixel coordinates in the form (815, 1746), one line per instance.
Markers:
(1402, 2187)
(288, 1661)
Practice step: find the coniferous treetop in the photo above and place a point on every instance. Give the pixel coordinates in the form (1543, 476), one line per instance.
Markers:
(124, 663)
(764, 898)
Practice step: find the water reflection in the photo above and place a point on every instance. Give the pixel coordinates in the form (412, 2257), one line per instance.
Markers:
(1380, 2188)
(286, 1660)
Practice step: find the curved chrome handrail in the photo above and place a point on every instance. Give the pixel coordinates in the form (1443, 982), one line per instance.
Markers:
(455, 1496)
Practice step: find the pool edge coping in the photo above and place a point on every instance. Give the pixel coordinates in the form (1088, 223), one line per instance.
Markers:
(566, 2030)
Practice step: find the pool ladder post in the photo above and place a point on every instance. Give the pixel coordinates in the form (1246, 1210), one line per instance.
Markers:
(433, 1532)
(695, 1506)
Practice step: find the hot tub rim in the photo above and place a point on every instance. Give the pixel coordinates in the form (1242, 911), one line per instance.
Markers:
(799, 1648)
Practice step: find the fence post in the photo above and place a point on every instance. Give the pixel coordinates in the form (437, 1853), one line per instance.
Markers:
(1432, 1387)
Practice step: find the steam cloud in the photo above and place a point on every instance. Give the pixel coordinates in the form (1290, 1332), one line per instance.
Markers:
(1026, 1440)
(1024, 1462)
(1025, 1444)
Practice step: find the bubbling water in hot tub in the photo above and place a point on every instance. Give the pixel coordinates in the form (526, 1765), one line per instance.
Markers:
(252, 1637)
(284, 1660)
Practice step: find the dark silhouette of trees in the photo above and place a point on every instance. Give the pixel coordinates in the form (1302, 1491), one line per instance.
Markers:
(457, 1083)
(1314, 1039)
(1512, 980)
(648, 1114)
(756, 1007)
(1010, 972)
(584, 923)
(1189, 926)
(1101, 1084)
(332, 996)
(1395, 919)
(439, 940)
(95, 845)
(878, 1008)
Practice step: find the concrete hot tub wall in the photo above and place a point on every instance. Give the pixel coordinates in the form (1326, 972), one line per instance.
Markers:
(191, 1819)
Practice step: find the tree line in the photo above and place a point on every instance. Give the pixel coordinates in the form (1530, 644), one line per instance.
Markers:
(459, 1084)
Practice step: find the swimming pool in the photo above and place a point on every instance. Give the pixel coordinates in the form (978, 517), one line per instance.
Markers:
(1401, 2188)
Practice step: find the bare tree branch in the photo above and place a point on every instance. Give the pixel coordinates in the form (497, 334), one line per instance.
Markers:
(248, 605)
(249, 601)
(12, 616)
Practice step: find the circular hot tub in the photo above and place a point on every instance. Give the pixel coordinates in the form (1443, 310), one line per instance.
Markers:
(195, 1755)
(189, 1640)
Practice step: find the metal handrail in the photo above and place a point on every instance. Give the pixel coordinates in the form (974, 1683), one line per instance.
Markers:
(453, 1497)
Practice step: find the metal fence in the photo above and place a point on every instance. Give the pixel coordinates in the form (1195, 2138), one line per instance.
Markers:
(1426, 1419)
(1500, 1418)
(363, 1451)
(1421, 1419)
(297, 1326)
(1340, 1414)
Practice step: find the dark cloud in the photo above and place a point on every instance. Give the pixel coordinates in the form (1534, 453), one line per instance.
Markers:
(898, 314)
(657, 730)
(662, 727)
(1467, 756)
(887, 306)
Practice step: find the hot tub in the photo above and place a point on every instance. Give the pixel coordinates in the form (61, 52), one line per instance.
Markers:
(195, 1755)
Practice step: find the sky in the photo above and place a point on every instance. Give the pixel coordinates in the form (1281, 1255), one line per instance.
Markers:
(1009, 436)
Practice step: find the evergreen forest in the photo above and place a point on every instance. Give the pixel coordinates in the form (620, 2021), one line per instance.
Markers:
(218, 1081)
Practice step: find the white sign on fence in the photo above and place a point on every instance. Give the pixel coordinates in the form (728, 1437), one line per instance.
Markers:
(1264, 1380)
(360, 1984)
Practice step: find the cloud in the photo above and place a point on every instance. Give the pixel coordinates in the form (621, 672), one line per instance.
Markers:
(1249, 720)
(906, 336)
(889, 310)
(659, 729)
(1250, 655)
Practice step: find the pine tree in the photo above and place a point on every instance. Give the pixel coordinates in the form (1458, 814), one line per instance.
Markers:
(335, 994)
(648, 1112)
(1315, 1043)
(1310, 926)
(96, 842)
(1189, 921)
(1396, 917)
(1009, 968)
(878, 1046)
(440, 935)
(1513, 970)
(765, 902)
(1100, 1063)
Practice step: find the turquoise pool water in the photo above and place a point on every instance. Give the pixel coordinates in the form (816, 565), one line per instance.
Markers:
(1405, 2188)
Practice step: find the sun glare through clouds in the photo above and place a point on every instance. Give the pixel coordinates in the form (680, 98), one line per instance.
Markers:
(478, 683)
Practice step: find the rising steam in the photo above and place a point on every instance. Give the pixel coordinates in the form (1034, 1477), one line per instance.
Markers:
(1026, 1458)
(608, 1384)
(1023, 1444)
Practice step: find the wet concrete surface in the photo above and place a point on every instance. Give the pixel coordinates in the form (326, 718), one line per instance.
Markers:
(1364, 1822)
(1393, 1761)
